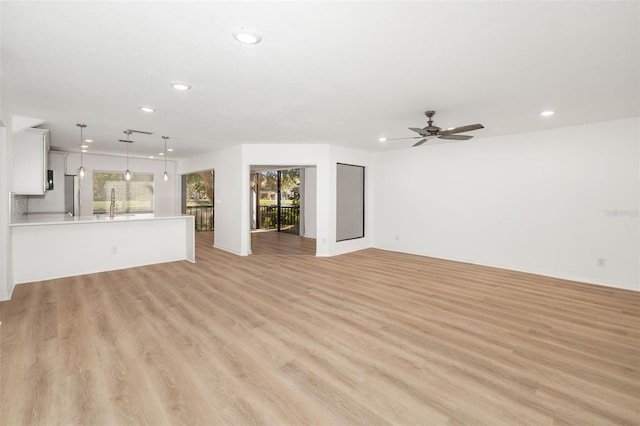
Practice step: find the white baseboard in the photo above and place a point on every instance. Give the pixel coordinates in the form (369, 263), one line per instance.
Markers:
(228, 250)
(551, 274)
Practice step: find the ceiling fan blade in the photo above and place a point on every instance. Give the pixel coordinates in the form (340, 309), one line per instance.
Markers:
(420, 142)
(418, 130)
(400, 139)
(462, 129)
(455, 137)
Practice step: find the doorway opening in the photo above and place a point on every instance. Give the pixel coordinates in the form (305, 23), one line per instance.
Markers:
(198, 199)
(283, 209)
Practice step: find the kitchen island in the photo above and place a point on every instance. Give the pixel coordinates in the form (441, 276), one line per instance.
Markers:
(53, 246)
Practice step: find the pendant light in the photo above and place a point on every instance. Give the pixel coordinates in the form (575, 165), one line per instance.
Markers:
(81, 171)
(166, 175)
(127, 173)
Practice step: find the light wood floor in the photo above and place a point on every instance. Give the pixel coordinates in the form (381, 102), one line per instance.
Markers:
(370, 337)
(272, 242)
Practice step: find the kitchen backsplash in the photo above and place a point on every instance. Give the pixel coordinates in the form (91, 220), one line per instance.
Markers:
(19, 206)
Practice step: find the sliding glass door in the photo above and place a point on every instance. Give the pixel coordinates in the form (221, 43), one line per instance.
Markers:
(276, 200)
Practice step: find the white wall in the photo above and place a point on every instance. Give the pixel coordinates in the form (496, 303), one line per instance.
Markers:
(166, 199)
(5, 171)
(324, 157)
(550, 202)
(228, 191)
(5, 244)
(232, 209)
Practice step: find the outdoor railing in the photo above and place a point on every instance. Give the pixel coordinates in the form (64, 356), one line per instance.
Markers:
(203, 215)
(289, 218)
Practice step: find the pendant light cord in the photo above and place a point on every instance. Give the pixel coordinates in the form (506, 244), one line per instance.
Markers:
(81, 153)
(128, 149)
(165, 176)
(165, 152)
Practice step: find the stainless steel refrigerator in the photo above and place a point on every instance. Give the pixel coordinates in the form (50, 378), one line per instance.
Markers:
(71, 195)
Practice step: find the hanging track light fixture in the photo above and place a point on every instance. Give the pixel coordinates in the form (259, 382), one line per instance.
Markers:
(165, 176)
(81, 171)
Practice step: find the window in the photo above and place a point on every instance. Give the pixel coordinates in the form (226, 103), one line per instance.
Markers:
(134, 196)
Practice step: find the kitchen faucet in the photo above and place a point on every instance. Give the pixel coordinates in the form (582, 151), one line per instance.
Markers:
(112, 207)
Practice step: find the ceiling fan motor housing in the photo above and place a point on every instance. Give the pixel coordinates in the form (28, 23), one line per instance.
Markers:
(433, 130)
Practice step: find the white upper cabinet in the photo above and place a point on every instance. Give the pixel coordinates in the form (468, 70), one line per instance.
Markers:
(30, 161)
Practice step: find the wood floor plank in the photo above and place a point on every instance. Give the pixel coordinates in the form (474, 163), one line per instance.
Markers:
(281, 243)
(284, 337)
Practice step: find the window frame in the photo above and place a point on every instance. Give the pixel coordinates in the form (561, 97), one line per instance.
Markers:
(122, 186)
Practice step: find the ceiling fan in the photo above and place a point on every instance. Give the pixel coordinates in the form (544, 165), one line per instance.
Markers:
(432, 131)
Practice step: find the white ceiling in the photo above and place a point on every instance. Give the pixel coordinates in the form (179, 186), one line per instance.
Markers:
(344, 73)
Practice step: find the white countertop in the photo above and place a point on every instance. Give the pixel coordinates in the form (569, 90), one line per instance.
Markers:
(64, 219)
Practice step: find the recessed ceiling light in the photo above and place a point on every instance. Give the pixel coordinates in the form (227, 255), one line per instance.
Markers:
(382, 139)
(151, 156)
(170, 149)
(180, 86)
(247, 36)
(88, 140)
(83, 150)
(548, 113)
(84, 146)
(161, 153)
(147, 109)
